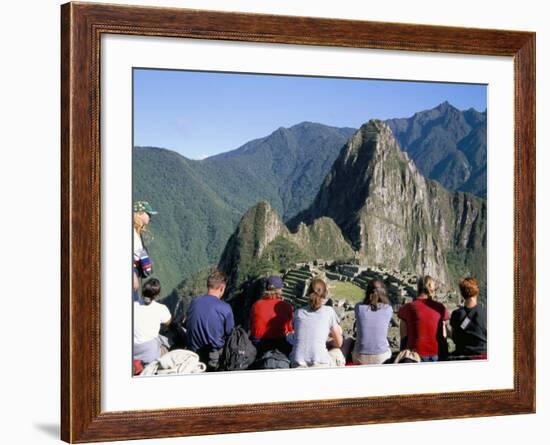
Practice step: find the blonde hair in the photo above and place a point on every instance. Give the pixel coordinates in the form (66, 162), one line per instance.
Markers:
(216, 280)
(317, 293)
(139, 226)
(426, 285)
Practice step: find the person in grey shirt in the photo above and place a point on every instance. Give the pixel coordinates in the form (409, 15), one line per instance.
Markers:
(317, 337)
(372, 319)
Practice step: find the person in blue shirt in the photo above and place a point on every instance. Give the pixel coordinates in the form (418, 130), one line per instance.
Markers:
(210, 321)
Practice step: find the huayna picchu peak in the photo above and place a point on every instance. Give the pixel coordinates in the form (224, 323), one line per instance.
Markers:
(377, 209)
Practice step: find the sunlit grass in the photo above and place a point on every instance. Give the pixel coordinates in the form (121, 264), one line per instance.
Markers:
(345, 290)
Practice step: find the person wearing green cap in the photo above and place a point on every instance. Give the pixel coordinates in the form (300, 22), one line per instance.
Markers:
(142, 265)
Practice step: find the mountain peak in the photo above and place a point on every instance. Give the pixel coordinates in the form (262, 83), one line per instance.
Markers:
(307, 124)
(447, 145)
(259, 226)
(370, 157)
(384, 206)
(261, 214)
(444, 106)
(375, 127)
(442, 109)
(373, 137)
(281, 131)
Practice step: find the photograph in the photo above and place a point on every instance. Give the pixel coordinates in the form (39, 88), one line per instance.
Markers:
(329, 219)
(289, 221)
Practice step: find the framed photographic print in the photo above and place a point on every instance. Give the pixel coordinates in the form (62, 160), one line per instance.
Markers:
(358, 197)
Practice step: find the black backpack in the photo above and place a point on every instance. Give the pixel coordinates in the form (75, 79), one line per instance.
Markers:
(239, 352)
(273, 359)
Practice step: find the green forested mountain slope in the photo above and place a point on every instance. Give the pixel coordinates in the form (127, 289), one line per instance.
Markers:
(194, 221)
(447, 145)
(201, 202)
(287, 165)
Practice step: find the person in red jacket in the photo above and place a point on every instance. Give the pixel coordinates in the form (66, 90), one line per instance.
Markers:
(422, 321)
(271, 318)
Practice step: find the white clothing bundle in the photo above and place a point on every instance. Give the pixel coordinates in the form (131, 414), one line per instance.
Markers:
(178, 361)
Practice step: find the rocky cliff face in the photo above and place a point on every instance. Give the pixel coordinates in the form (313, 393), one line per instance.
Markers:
(259, 226)
(393, 216)
(263, 244)
(376, 208)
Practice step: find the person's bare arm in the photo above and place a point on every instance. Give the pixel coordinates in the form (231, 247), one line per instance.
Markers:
(136, 282)
(336, 337)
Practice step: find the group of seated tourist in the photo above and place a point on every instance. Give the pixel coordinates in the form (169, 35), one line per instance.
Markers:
(312, 336)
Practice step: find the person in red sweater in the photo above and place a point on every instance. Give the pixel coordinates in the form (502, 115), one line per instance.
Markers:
(422, 321)
(271, 318)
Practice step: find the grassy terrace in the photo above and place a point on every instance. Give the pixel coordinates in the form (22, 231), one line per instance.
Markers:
(345, 290)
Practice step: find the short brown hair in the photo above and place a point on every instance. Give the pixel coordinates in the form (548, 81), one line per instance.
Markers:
(216, 280)
(469, 288)
(317, 293)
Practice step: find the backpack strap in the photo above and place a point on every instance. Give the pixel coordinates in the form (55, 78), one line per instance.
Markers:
(474, 332)
(469, 318)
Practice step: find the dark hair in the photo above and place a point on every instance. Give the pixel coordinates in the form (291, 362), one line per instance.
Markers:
(216, 279)
(317, 293)
(375, 294)
(272, 293)
(469, 288)
(150, 290)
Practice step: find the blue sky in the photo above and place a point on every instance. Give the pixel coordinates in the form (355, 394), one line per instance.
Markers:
(199, 114)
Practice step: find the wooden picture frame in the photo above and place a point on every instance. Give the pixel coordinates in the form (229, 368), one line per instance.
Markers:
(82, 26)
